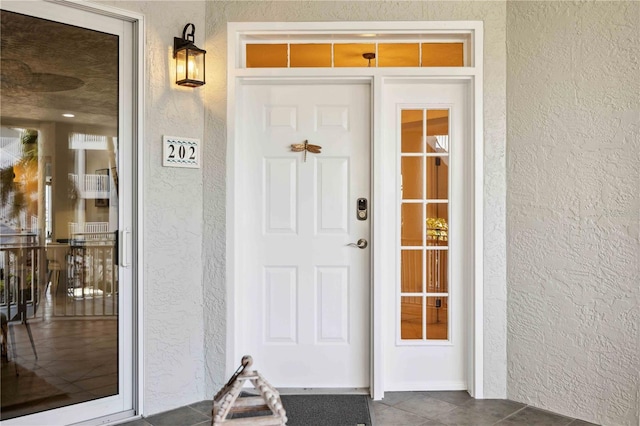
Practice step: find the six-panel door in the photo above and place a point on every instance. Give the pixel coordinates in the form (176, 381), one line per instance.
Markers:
(305, 291)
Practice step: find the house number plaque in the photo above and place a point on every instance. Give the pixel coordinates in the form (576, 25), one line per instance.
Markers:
(180, 152)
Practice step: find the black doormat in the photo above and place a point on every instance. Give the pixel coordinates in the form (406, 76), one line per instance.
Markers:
(326, 410)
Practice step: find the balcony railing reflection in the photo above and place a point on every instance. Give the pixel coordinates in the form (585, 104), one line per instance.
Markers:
(75, 277)
(91, 186)
(22, 267)
(21, 221)
(84, 276)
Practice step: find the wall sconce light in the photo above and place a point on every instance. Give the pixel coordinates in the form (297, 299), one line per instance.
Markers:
(189, 59)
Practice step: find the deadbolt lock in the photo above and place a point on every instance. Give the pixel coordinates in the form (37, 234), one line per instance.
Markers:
(362, 209)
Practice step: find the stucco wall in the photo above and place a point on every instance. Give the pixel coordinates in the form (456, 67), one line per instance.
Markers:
(574, 208)
(218, 13)
(173, 211)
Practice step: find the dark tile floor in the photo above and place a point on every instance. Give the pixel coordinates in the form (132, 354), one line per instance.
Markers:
(406, 409)
(77, 362)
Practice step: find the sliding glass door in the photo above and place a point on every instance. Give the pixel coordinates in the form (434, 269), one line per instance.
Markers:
(65, 214)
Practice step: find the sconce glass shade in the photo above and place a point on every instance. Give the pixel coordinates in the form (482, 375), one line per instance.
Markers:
(190, 63)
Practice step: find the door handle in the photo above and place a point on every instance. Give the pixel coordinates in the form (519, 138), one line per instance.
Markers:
(125, 262)
(361, 244)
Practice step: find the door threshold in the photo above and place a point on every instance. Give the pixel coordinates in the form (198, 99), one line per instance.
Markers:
(323, 391)
(316, 391)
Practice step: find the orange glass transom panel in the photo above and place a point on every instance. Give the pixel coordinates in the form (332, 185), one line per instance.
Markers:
(310, 55)
(399, 55)
(267, 55)
(351, 55)
(442, 55)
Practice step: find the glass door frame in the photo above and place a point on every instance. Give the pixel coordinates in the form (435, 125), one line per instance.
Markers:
(129, 27)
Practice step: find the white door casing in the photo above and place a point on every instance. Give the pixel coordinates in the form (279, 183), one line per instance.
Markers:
(384, 219)
(305, 291)
(432, 364)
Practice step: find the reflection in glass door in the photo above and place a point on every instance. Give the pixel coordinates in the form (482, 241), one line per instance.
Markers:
(60, 212)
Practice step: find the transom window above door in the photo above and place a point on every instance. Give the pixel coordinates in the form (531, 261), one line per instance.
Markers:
(334, 55)
(356, 50)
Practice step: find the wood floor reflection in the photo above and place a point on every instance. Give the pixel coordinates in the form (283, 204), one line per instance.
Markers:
(77, 362)
(411, 322)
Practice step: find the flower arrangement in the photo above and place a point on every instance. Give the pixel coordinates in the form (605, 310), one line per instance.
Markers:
(437, 229)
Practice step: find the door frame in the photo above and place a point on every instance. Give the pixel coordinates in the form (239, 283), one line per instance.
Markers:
(381, 242)
(131, 118)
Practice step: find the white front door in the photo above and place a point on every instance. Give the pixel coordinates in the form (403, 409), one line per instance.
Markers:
(426, 127)
(303, 291)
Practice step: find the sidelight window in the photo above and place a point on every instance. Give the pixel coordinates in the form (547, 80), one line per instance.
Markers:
(424, 245)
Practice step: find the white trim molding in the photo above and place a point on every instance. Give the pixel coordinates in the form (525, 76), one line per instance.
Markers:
(471, 33)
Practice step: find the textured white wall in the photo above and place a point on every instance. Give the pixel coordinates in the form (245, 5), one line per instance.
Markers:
(574, 208)
(494, 14)
(173, 211)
